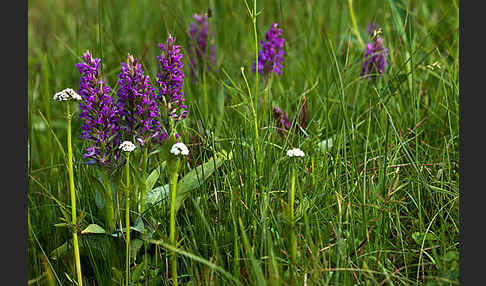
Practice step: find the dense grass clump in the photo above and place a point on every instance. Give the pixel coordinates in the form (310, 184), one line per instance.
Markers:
(374, 200)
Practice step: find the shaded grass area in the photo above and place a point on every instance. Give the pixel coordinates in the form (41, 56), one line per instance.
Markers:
(378, 207)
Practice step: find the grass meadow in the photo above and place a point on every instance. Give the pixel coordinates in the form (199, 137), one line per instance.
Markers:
(374, 201)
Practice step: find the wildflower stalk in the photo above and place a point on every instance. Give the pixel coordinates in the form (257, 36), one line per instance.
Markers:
(256, 52)
(127, 218)
(295, 152)
(144, 182)
(108, 197)
(293, 242)
(73, 198)
(173, 189)
(355, 26)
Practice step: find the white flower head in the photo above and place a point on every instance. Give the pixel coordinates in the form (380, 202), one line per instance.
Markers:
(296, 152)
(127, 146)
(67, 94)
(179, 148)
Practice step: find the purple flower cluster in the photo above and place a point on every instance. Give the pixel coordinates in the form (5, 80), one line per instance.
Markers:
(137, 106)
(170, 79)
(271, 54)
(99, 113)
(199, 32)
(375, 59)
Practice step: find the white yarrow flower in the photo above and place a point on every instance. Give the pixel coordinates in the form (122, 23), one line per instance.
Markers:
(296, 152)
(179, 148)
(67, 94)
(127, 146)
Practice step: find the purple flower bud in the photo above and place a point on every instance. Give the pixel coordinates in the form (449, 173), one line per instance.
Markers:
(282, 120)
(170, 79)
(270, 56)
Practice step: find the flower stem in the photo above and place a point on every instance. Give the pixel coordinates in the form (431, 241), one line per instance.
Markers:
(108, 197)
(355, 26)
(127, 218)
(73, 198)
(173, 189)
(293, 242)
(256, 52)
(144, 182)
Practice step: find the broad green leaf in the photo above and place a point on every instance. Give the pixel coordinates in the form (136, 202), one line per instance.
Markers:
(96, 245)
(99, 192)
(139, 226)
(152, 178)
(135, 246)
(189, 182)
(196, 177)
(93, 228)
(157, 195)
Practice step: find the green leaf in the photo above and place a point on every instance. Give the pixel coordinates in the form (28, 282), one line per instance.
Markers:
(166, 148)
(135, 246)
(420, 236)
(196, 177)
(326, 144)
(96, 245)
(99, 192)
(61, 224)
(152, 178)
(93, 228)
(139, 226)
(157, 195)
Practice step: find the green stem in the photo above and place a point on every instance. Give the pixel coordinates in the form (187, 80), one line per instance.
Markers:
(108, 197)
(355, 26)
(127, 219)
(144, 182)
(173, 190)
(73, 198)
(256, 52)
(293, 242)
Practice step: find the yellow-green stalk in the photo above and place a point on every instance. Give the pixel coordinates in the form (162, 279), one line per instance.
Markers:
(108, 197)
(293, 242)
(355, 26)
(127, 218)
(173, 192)
(73, 198)
(173, 163)
(295, 152)
(127, 147)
